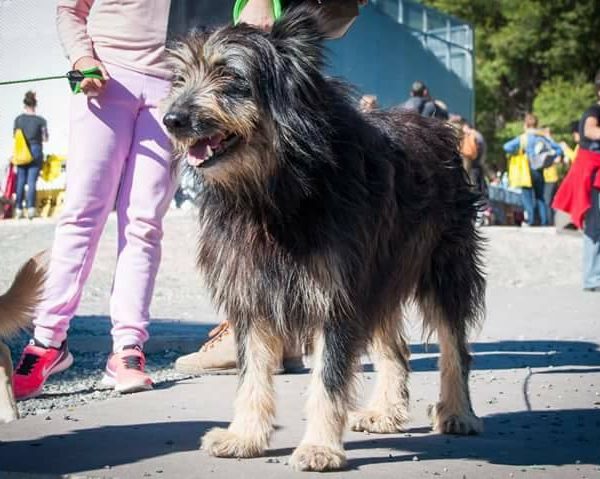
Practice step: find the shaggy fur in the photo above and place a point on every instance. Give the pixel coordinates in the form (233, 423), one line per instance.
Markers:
(17, 306)
(320, 223)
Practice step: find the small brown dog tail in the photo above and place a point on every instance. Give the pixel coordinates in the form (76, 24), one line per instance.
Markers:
(17, 305)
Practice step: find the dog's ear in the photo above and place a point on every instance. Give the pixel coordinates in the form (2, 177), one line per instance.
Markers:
(185, 51)
(293, 89)
(299, 35)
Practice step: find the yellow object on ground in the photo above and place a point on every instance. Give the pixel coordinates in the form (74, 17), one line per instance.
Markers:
(52, 167)
(49, 202)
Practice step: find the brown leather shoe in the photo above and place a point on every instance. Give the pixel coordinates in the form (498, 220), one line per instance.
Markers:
(219, 356)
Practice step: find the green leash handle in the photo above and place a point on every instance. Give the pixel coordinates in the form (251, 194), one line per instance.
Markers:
(240, 4)
(75, 77)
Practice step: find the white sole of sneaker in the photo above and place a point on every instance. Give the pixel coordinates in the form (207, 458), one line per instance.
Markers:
(110, 382)
(59, 368)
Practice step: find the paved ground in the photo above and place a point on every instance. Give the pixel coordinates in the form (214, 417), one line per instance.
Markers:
(536, 381)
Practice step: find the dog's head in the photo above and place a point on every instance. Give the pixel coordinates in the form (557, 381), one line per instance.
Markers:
(243, 99)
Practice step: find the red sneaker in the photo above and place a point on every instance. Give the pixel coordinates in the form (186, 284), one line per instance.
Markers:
(37, 364)
(125, 371)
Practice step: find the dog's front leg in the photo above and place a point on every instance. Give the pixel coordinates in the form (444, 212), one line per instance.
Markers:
(259, 351)
(8, 408)
(330, 397)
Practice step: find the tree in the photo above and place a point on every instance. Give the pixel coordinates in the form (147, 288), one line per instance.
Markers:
(559, 102)
(530, 54)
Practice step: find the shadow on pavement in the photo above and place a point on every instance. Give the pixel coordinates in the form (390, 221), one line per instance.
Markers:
(515, 355)
(520, 438)
(89, 449)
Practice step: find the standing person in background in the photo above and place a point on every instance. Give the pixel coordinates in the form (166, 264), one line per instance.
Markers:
(539, 149)
(35, 129)
(472, 150)
(551, 181)
(579, 193)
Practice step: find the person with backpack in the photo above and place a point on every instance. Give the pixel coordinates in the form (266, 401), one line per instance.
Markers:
(541, 151)
(35, 130)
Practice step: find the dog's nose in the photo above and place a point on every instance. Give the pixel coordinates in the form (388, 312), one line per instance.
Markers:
(177, 120)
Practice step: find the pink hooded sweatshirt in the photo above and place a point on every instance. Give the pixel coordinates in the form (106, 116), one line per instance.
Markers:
(127, 33)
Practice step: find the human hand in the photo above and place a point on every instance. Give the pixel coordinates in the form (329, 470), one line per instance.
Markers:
(258, 13)
(91, 86)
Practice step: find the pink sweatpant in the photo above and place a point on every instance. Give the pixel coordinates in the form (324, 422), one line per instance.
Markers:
(119, 154)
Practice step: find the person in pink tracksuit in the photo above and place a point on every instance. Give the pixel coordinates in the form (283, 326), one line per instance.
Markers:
(119, 155)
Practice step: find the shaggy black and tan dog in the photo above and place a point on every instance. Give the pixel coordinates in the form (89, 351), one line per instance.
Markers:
(319, 222)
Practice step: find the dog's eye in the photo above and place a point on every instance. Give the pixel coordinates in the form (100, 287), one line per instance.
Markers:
(236, 76)
(178, 80)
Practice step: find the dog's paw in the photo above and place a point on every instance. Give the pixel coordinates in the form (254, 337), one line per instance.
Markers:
(317, 458)
(448, 422)
(221, 442)
(373, 421)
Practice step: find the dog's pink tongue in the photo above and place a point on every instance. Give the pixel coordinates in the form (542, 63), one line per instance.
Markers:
(198, 152)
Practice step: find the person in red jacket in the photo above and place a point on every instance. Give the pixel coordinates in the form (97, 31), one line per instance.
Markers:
(579, 194)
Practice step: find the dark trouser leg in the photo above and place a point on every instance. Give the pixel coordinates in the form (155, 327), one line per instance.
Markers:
(33, 172)
(537, 179)
(20, 188)
(527, 195)
(549, 191)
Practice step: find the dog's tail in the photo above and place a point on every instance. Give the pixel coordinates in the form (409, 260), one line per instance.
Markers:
(17, 305)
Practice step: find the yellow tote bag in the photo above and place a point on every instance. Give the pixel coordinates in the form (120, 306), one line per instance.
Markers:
(21, 154)
(519, 174)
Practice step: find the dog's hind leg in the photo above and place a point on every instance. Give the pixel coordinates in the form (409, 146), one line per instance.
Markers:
(330, 398)
(259, 350)
(451, 296)
(454, 414)
(387, 411)
(8, 407)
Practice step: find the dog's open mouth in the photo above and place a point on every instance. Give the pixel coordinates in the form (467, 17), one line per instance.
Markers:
(206, 151)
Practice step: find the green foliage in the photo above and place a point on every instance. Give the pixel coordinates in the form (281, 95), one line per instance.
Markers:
(560, 102)
(530, 55)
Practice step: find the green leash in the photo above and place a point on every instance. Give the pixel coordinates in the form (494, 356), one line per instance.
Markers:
(74, 77)
(240, 4)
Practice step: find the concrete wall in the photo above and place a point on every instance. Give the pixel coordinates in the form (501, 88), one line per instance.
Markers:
(380, 56)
